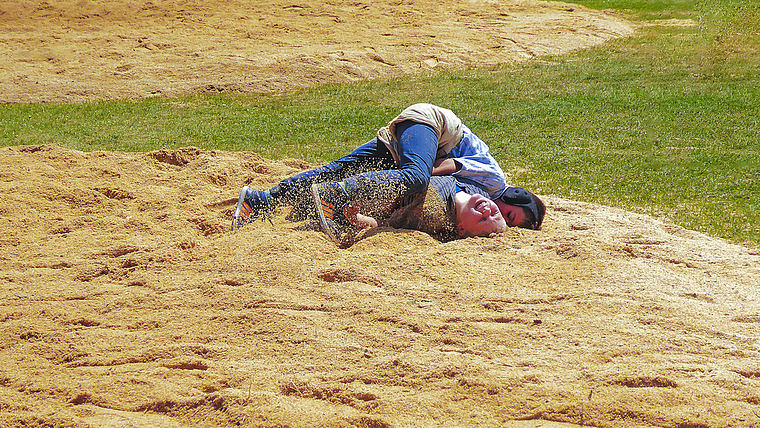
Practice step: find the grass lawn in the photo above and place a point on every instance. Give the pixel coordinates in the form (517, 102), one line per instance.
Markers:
(666, 122)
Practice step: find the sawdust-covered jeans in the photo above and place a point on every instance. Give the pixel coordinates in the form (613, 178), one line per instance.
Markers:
(370, 172)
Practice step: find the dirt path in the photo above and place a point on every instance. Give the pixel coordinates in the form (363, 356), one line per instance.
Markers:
(72, 50)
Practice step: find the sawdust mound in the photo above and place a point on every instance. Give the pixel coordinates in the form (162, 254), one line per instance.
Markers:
(127, 302)
(82, 50)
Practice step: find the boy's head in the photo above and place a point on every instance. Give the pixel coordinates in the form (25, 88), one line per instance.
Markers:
(521, 208)
(478, 216)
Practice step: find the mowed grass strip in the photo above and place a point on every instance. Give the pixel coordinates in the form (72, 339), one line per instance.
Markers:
(664, 123)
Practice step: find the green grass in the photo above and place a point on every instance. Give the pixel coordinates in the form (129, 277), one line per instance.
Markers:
(666, 122)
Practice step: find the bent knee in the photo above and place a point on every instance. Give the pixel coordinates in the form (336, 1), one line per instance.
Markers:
(416, 180)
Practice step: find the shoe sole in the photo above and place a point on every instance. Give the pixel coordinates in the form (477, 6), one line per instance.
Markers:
(322, 218)
(236, 218)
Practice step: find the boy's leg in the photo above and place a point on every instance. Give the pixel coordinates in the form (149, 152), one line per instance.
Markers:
(371, 156)
(417, 148)
(253, 204)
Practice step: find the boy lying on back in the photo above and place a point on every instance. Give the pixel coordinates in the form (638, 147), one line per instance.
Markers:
(449, 209)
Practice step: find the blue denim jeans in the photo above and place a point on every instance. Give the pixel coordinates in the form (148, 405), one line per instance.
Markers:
(370, 172)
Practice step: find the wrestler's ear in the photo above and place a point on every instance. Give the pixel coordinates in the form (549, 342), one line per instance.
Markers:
(460, 230)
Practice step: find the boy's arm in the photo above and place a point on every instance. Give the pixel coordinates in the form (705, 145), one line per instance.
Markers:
(483, 170)
(477, 165)
(446, 166)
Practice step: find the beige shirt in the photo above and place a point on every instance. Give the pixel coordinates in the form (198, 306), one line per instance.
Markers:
(447, 126)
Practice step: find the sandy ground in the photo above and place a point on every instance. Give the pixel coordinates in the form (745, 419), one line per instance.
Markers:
(127, 302)
(79, 50)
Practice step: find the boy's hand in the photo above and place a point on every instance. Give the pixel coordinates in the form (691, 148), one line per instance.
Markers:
(358, 220)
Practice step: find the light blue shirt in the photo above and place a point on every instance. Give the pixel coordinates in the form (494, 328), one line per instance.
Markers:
(478, 166)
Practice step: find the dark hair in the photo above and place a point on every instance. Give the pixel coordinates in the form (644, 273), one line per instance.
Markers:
(532, 206)
(531, 222)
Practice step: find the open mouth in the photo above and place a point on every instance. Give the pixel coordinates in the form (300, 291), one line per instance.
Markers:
(480, 205)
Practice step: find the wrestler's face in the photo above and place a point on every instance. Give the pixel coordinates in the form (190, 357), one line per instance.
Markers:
(513, 215)
(480, 217)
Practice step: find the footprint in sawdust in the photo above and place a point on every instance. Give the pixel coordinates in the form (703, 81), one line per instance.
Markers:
(345, 275)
